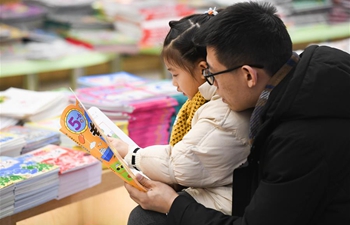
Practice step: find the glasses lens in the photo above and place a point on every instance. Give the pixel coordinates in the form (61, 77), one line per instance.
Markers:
(205, 72)
(211, 80)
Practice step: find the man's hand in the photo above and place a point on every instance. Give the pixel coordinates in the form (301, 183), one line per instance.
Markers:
(159, 196)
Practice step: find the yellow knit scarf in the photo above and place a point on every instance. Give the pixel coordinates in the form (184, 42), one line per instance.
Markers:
(184, 118)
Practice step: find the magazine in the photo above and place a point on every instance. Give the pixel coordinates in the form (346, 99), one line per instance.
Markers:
(90, 129)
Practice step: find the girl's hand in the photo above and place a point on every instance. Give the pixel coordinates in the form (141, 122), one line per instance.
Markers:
(119, 145)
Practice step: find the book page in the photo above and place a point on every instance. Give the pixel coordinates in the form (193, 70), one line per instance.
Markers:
(109, 128)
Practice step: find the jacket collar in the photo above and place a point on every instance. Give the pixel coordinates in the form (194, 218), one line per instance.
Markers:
(207, 90)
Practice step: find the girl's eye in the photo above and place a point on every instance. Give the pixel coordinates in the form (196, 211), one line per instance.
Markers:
(174, 75)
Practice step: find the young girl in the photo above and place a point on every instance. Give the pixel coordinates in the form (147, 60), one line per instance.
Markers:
(208, 140)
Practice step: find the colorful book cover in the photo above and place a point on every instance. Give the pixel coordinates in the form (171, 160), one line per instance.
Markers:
(118, 78)
(34, 137)
(13, 170)
(79, 125)
(113, 98)
(121, 95)
(20, 11)
(66, 159)
(11, 144)
(10, 33)
(7, 138)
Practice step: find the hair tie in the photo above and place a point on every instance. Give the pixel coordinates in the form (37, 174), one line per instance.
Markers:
(211, 11)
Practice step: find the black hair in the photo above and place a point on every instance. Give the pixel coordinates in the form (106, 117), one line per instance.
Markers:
(248, 33)
(179, 47)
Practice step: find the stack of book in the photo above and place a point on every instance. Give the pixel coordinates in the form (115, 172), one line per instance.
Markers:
(92, 32)
(35, 183)
(11, 41)
(133, 103)
(7, 196)
(33, 105)
(78, 170)
(7, 121)
(148, 21)
(53, 7)
(52, 124)
(104, 40)
(117, 78)
(148, 105)
(66, 22)
(22, 15)
(34, 137)
(151, 121)
(305, 12)
(11, 144)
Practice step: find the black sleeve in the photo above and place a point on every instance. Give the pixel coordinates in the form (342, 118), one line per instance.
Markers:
(188, 211)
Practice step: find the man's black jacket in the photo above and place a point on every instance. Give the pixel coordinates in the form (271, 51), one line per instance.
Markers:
(299, 166)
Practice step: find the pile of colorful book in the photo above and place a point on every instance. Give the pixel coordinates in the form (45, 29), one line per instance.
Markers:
(34, 137)
(77, 169)
(45, 174)
(25, 113)
(149, 106)
(7, 196)
(32, 183)
(148, 21)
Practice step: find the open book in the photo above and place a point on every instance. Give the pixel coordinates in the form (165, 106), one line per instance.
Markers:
(90, 129)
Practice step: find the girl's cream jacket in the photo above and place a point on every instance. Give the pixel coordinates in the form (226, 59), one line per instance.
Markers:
(207, 155)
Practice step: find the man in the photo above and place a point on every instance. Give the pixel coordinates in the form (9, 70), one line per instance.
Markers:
(298, 170)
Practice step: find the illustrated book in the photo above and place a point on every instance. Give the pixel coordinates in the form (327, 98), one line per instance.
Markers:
(90, 129)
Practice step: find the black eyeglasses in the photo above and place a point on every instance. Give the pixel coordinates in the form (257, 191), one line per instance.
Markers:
(210, 77)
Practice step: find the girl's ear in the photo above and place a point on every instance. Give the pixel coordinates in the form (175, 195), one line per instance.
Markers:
(201, 66)
(250, 75)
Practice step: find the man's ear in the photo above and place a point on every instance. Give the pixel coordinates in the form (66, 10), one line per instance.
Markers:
(201, 66)
(250, 75)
